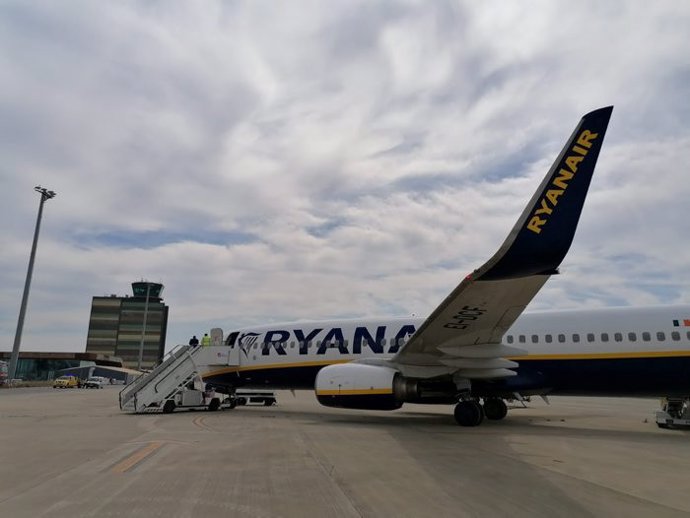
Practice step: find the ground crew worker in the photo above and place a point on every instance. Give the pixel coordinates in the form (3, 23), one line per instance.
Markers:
(205, 340)
(194, 341)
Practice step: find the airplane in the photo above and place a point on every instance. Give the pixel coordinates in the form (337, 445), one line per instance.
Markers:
(477, 349)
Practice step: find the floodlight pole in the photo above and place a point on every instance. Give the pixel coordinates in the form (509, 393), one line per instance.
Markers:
(45, 195)
(143, 329)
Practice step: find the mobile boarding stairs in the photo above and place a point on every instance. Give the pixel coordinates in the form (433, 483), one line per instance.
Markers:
(176, 382)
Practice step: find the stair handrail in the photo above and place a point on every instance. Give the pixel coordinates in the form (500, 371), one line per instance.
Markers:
(189, 352)
(141, 381)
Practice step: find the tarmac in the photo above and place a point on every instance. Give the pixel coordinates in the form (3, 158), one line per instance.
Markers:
(73, 453)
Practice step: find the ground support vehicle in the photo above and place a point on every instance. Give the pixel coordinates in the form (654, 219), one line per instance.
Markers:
(176, 383)
(260, 397)
(674, 413)
(67, 382)
(96, 382)
(195, 399)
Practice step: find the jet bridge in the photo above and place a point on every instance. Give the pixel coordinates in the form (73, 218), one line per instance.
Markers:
(168, 385)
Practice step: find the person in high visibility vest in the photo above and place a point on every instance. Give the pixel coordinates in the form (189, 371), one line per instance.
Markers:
(205, 340)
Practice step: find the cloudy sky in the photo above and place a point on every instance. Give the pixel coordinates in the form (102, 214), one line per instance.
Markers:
(274, 161)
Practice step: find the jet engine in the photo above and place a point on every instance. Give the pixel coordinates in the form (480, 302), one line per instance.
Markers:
(374, 387)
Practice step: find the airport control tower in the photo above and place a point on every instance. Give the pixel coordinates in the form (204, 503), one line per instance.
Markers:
(116, 326)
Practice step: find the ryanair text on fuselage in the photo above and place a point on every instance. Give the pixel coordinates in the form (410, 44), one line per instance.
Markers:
(334, 338)
(560, 183)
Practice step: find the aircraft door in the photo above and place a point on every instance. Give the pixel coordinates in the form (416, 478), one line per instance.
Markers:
(234, 349)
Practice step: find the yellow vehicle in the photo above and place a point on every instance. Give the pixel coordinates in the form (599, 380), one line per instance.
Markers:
(66, 382)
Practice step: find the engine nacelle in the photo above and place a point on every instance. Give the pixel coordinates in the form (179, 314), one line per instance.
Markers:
(354, 385)
(374, 387)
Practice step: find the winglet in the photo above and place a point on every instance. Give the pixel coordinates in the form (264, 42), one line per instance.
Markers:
(542, 235)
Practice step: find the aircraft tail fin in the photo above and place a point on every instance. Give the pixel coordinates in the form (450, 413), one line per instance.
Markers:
(542, 235)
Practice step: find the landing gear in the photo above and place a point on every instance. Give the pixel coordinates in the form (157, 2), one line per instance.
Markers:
(495, 409)
(469, 413)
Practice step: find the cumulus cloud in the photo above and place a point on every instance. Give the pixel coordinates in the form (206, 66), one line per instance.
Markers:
(320, 160)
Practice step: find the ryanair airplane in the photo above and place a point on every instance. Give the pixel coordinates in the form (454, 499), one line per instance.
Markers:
(475, 350)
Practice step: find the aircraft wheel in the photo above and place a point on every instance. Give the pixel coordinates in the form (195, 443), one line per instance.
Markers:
(469, 413)
(169, 406)
(495, 409)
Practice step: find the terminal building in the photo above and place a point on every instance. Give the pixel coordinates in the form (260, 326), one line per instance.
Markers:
(118, 325)
(43, 366)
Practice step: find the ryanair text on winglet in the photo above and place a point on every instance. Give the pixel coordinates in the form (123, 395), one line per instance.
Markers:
(560, 183)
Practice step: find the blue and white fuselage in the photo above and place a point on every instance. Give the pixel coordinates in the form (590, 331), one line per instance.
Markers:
(608, 351)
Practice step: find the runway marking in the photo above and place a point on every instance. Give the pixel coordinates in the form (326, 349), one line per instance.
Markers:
(199, 422)
(138, 456)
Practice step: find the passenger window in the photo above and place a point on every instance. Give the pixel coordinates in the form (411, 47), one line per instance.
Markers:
(561, 338)
(646, 336)
(549, 339)
(661, 336)
(688, 335)
(509, 339)
(675, 336)
(521, 339)
(632, 337)
(618, 337)
(535, 339)
(576, 338)
(604, 337)
(590, 337)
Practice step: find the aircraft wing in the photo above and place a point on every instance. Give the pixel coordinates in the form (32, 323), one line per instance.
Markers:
(466, 329)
